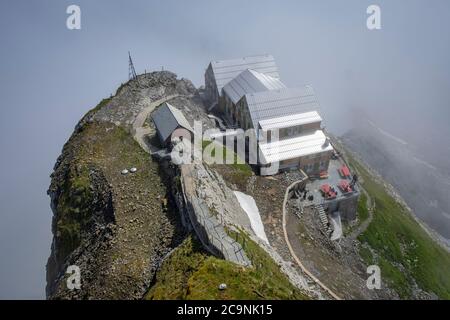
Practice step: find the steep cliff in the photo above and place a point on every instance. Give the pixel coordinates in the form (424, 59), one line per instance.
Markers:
(120, 229)
(114, 227)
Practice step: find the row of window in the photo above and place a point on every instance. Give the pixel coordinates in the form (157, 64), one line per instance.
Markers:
(308, 168)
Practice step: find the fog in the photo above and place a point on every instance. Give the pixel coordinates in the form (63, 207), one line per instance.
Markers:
(398, 77)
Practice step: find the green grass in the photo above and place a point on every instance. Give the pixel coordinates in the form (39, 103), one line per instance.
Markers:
(100, 105)
(236, 173)
(367, 255)
(404, 250)
(95, 146)
(363, 214)
(363, 211)
(191, 273)
(172, 278)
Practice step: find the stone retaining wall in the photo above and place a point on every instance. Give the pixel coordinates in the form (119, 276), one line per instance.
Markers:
(210, 230)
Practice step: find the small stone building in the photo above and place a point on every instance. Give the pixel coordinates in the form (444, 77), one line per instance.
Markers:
(169, 122)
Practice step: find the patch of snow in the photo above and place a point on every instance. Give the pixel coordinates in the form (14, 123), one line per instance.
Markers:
(248, 204)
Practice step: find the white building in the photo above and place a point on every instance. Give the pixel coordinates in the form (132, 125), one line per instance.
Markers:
(220, 72)
(286, 120)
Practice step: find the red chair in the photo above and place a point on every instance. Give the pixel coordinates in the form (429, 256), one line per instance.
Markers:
(327, 191)
(345, 186)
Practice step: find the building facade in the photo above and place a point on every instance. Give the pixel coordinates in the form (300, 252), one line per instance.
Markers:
(220, 72)
(286, 121)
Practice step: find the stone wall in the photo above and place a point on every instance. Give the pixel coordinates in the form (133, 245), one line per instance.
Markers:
(207, 226)
(346, 206)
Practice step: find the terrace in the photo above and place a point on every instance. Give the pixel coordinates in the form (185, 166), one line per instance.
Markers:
(332, 187)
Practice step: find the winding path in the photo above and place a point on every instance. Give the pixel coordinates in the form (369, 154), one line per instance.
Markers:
(291, 250)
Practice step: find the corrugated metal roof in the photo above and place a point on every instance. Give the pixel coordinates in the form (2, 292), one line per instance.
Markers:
(250, 81)
(294, 147)
(291, 120)
(226, 70)
(167, 118)
(282, 102)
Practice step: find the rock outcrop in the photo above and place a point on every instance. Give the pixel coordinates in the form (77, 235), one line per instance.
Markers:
(116, 228)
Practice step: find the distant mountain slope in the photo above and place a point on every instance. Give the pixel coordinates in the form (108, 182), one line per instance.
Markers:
(412, 257)
(424, 186)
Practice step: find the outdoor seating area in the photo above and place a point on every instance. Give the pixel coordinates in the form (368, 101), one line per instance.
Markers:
(328, 192)
(334, 184)
(345, 186)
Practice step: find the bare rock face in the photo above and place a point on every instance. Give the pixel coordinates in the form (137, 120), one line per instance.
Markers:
(209, 186)
(134, 96)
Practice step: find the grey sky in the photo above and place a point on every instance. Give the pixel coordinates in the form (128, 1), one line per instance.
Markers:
(51, 76)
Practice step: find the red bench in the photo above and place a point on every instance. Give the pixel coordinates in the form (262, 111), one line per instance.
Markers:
(344, 171)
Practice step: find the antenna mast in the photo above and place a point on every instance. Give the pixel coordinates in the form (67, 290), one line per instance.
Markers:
(131, 72)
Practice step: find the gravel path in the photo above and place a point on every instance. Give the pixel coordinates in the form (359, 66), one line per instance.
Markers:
(291, 250)
(139, 131)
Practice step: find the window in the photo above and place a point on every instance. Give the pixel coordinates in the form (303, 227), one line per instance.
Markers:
(292, 131)
(269, 136)
(308, 168)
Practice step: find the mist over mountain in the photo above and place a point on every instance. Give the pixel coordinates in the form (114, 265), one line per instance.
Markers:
(421, 177)
(397, 77)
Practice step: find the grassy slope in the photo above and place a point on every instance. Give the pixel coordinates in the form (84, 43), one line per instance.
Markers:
(363, 211)
(98, 145)
(191, 273)
(363, 214)
(403, 249)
